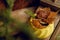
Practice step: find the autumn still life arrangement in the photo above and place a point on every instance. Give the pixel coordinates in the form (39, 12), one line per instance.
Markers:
(25, 24)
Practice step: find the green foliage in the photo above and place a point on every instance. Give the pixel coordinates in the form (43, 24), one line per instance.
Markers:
(30, 13)
(2, 31)
(27, 29)
(10, 3)
(5, 17)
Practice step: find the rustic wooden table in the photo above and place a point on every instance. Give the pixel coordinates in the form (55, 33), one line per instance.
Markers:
(56, 31)
(56, 4)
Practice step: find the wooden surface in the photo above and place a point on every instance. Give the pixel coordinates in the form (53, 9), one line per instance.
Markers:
(57, 3)
(56, 31)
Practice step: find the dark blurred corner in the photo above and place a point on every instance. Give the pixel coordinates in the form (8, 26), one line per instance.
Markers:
(19, 4)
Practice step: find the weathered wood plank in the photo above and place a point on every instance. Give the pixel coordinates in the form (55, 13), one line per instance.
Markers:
(57, 3)
(56, 31)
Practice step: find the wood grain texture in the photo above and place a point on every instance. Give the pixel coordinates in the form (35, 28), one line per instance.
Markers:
(56, 31)
(57, 3)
